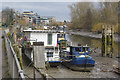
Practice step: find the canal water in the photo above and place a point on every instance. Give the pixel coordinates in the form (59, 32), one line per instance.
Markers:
(103, 65)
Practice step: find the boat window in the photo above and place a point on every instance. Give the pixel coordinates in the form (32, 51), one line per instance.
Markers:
(85, 49)
(78, 49)
(49, 48)
(49, 39)
(56, 50)
(61, 35)
(49, 54)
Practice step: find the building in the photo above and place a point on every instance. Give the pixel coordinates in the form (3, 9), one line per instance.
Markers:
(28, 13)
(44, 21)
(28, 16)
(47, 19)
(31, 17)
(37, 18)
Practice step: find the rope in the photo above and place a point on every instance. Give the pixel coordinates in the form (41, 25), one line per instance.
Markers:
(28, 66)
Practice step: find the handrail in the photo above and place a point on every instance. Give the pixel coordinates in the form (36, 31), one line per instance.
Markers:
(17, 62)
(20, 71)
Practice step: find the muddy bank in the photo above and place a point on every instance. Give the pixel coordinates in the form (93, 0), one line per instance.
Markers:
(92, 34)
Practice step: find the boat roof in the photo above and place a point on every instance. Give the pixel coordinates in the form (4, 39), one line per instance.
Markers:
(42, 31)
(80, 46)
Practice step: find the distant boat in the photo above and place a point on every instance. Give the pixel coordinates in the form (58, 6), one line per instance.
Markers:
(77, 58)
(117, 70)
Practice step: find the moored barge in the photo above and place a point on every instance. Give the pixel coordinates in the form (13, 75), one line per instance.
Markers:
(77, 58)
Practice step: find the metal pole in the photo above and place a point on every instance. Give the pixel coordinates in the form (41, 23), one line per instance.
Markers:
(33, 65)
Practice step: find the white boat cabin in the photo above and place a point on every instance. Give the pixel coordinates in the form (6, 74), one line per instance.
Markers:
(49, 37)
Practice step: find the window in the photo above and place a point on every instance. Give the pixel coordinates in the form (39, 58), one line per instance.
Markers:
(49, 39)
(60, 35)
(83, 49)
(56, 50)
(49, 54)
(86, 49)
(78, 49)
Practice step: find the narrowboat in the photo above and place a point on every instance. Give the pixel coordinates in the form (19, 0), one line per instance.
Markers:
(77, 58)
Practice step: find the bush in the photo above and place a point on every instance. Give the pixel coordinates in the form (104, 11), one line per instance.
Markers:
(97, 27)
(116, 29)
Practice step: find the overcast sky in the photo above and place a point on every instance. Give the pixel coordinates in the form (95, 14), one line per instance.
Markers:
(60, 10)
(57, 8)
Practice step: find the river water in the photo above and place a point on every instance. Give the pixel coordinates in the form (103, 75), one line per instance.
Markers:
(103, 65)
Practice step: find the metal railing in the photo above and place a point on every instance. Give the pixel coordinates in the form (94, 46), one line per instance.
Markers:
(14, 65)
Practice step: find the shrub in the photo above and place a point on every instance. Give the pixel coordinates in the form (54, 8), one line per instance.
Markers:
(97, 27)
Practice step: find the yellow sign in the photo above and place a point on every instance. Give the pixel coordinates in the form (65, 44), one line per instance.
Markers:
(61, 39)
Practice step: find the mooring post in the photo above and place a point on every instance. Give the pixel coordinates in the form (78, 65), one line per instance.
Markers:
(103, 38)
(112, 40)
(38, 59)
(107, 41)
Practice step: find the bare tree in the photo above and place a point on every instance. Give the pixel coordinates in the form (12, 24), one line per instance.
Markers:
(7, 16)
(87, 15)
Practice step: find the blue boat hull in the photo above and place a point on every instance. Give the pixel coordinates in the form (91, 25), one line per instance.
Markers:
(77, 58)
(80, 65)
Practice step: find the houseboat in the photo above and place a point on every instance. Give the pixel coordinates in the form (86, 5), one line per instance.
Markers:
(77, 58)
(51, 40)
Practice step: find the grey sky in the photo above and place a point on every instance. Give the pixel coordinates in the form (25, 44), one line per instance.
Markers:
(60, 0)
(58, 9)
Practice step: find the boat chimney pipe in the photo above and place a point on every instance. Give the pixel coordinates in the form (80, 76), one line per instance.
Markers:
(79, 44)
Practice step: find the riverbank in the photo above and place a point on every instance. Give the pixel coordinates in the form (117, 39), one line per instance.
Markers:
(92, 34)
